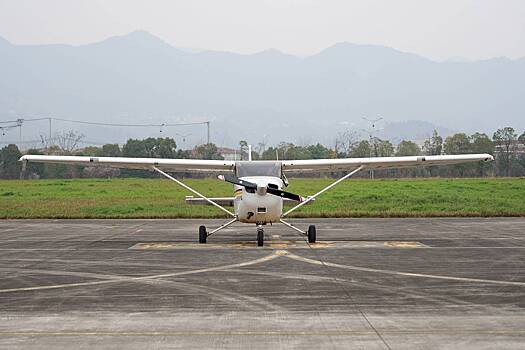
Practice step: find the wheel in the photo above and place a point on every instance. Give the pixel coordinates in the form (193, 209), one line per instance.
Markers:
(260, 237)
(312, 234)
(202, 234)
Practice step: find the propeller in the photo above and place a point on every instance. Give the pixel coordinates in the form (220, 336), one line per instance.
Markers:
(235, 180)
(284, 194)
(270, 188)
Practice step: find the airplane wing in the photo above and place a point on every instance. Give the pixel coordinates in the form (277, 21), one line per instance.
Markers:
(342, 164)
(178, 165)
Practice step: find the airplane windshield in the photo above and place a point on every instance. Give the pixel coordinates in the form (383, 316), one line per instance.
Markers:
(258, 168)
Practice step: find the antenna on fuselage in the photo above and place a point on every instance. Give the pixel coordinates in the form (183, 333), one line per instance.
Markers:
(250, 153)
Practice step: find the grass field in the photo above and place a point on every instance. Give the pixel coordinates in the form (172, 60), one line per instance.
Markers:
(154, 198)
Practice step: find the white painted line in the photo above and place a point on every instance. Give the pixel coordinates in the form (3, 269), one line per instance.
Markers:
(398, 273)
(272, 256)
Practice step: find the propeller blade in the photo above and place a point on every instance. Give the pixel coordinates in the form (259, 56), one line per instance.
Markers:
(284, 194)
(271, 188)
(235, 180)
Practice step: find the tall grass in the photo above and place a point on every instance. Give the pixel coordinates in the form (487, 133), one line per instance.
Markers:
(153, 198)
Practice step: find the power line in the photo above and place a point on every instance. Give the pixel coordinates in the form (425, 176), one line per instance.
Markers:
(18, 123)
(106, 124)
(86, 142)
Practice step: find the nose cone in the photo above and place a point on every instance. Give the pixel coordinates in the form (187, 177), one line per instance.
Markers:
(261, 190)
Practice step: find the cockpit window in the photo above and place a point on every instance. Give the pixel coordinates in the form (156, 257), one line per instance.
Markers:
(258, 168)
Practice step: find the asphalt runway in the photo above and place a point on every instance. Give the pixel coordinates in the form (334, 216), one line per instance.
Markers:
(368, 283)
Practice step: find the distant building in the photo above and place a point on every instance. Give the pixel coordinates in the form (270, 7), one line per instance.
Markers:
(229, 153)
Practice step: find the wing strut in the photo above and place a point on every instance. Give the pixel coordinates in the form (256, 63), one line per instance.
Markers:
(195, 192)
(311, 198)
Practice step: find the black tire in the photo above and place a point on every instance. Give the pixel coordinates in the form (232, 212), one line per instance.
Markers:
(312, 234)
(202, 234)
(260, 237)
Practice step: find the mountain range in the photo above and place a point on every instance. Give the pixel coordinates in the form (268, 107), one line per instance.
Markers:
(139, 78)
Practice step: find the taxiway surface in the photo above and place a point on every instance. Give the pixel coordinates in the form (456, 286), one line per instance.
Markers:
(368, 283)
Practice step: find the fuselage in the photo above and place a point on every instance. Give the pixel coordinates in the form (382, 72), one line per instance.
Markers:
(258, 206)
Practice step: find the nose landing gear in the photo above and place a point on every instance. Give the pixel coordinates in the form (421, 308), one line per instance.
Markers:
(260, 236)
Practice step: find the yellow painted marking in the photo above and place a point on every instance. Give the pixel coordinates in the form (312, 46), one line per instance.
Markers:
(277, 244)
(398, 273)
(404, 245)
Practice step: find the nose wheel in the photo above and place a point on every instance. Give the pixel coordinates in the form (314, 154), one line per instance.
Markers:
(260, 237)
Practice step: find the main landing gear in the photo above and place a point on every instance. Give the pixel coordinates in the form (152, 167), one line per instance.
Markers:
(312, 234)
(202, 234)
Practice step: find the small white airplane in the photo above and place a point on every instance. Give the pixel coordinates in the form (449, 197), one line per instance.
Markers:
(258, 185)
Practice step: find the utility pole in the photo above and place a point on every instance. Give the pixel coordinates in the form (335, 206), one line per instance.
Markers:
(372, 138)
(208, 136)
(20, 121)
(49, 138)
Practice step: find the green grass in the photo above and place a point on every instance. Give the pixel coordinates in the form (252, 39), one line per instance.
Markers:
(154, 198)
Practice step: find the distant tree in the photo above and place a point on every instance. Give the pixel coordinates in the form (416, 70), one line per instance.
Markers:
(521, 157)
(434, 145)
(260, 148)
(362, 150)
(318, 151)
(134, 148)
(504, 140)
(35, 170)
(108, 150)
(149, 148)
(407, 148)
(457, 144)
(163, 148)
(207, 151)
(9, 165)
(287, 150)
(90, 151)
(344, 143)
(53, 150)
(68, 141)
(184, 154)
(284, 149)
(383, 148)
(111, 150)
(160, 147)
(56, 171)
(269, 153)
(481, 143)
(243, 145)
(291, 151)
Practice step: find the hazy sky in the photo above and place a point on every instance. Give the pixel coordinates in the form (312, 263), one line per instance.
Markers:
(436, 29)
